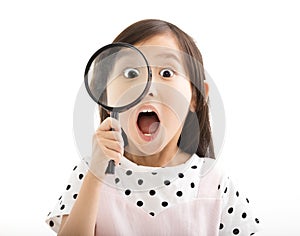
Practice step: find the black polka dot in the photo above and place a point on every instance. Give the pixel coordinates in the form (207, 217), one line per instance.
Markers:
(129, 172)
(194, 167)
(152, 192)
(221, 226)
(252, 233)
(237, 193)
(68, 187)
(51, 223)
(140, 182)
(75, 195)
(167, 182)
(244, 215)
(236, 231)
(60, 197)
(62, 207)
(139, 203)
(164, 204)
(117, 180)
(225, 190)
(247, 200)
(49, 213)
(192, 185)
(230, 210)
(219, 186)
(80, 176)
(75, 167)
(256, 220)
(127, 192)
(179, 193)
(154, 173)
(152, 213)
(180, 175)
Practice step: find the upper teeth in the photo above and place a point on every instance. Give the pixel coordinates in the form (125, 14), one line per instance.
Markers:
(147, 111)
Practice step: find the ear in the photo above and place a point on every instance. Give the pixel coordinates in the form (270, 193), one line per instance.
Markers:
(193, 104)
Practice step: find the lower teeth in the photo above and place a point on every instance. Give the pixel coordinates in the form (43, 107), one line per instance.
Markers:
(148, 135)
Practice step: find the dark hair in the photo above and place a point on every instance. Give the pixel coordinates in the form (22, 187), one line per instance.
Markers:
(189, 142)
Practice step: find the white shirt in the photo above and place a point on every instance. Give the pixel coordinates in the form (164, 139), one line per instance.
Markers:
(154, 190)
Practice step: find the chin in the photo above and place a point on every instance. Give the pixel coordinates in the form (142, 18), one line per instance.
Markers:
(146, 148)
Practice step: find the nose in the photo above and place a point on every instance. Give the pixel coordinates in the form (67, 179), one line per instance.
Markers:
(152, 90)
(153, 86)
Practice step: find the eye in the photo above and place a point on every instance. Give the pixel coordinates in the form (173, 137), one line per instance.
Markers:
(131, 73)
(166, 73)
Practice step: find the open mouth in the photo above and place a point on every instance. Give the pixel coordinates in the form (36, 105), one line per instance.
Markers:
(148, 122)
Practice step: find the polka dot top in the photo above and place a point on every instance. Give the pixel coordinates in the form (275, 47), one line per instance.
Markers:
(195, 198)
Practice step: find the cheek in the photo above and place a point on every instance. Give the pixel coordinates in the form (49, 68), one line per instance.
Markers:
(127, 120)
(128, 124)
(177, 99)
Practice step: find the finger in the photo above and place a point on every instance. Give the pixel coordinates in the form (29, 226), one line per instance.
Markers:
(112, 145)
(115, 156)
(110, 135)
(107, 149)
(109, 124)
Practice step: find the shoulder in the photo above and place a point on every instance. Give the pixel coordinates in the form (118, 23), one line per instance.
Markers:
(213, 178)
(68, 196)
(237, 211)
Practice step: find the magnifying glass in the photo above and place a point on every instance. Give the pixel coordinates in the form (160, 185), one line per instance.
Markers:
(117, 77)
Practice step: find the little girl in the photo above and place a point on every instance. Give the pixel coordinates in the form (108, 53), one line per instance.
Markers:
(162, 147)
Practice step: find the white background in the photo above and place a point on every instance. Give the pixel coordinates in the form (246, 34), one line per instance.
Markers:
(250, 49)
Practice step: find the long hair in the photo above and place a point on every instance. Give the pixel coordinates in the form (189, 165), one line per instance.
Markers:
(198, 121)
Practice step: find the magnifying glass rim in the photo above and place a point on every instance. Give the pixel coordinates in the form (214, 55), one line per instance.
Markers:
(136, 101)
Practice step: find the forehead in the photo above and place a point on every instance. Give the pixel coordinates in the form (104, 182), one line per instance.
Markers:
(166, 40)
(161, 47)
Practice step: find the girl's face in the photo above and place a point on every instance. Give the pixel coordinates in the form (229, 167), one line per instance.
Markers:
(158, 119)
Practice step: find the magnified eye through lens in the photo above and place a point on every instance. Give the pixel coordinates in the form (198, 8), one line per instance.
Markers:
(131, 73)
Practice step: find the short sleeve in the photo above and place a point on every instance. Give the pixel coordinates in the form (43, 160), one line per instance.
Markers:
(66, 201)
(237, 217)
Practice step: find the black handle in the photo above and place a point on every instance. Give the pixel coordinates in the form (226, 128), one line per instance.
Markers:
(110, 169)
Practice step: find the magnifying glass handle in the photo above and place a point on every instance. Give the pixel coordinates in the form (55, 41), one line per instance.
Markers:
(110, 169)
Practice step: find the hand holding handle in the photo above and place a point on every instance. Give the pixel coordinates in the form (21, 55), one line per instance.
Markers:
(111, 164)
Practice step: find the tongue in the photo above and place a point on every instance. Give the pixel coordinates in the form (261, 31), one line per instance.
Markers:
(148, 124)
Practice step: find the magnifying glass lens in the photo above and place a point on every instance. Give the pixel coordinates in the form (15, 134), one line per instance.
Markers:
(117, 76)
